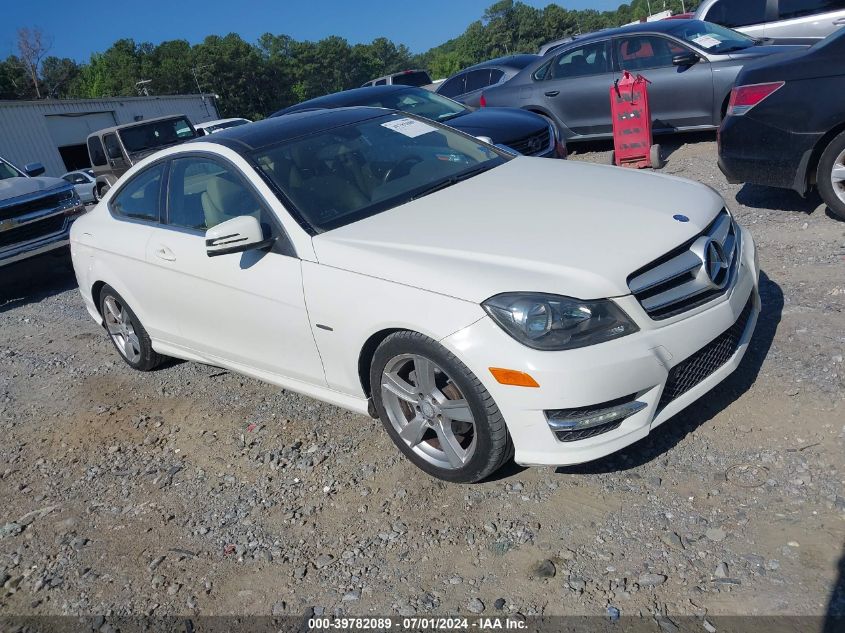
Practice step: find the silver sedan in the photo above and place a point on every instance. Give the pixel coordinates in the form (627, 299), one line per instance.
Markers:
(83, 181)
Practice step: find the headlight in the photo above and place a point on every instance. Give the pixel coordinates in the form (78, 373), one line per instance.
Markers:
(551, 322)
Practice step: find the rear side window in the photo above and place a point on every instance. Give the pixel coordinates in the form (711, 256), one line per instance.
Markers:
(797, 8)
(139, 198)
(496, 76)
(478, 79)
(454, 86)
(590, 59)
(380, 82)
(96, 152)
(734, 14)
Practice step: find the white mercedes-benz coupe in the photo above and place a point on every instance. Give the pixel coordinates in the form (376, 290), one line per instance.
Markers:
(482, 305)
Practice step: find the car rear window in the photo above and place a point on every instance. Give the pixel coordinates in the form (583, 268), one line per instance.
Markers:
(412, 78)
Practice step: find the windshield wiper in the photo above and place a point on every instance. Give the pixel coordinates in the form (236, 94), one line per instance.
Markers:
(452, 180)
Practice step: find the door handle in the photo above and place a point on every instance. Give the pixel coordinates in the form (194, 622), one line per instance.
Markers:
(552, 93)
(839, 22)
(162, 252)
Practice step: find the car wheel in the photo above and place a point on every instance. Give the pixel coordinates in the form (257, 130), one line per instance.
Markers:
(95, 194)
(831, 176)
(126, 332)
(436, 410)
(102, 191)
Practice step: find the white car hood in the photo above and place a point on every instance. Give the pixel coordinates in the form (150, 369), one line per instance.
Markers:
(532, 224)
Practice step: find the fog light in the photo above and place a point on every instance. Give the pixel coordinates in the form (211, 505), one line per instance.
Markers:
(565, 420)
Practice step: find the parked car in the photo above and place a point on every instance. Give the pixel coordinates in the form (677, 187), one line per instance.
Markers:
(548, 47)
(404, 78)
(681, 16)
(36, 212)
(776, 133)
(782, 21)
(114, 150)
(466, 86)
(691, 66)
(210, 127)
(84, 181)
(522, 131)
(476, 302)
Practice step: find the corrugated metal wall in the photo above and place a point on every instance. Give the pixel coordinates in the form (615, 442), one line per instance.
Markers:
(25, 138)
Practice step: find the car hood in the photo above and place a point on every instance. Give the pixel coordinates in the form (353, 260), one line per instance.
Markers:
(11, 188)
(531, 224)
(500, 124)
(762, 51)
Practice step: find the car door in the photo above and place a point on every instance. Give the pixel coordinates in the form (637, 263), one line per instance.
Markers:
(242, 308)
(678, 96)
(811, 19)
(575, 87)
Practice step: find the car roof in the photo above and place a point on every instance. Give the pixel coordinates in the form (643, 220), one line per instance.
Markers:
(218, 121)
(344, 98)
(398, 73)
(113, 128)
(246, 138)
(508, 61)
(658, 26)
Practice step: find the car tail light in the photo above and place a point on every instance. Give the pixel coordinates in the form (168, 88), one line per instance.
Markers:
(482, 101)
(743, 98)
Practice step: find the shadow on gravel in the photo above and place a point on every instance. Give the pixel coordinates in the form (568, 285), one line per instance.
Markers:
(32, 280)
(671, 432)
(760, 197)
(835, 617)
(669, 143)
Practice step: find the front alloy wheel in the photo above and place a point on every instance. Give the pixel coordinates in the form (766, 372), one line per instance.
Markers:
(830, 176)
(436, 410)
(126, 332)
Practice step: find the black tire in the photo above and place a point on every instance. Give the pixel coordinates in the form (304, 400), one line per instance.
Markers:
(613, 158)
(148, 359)
(654, 157)
(101, 191)
(493, 445)
(96, 195)
(824, 178)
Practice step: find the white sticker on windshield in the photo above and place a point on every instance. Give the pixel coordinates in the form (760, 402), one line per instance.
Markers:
(409, 127)
(707, 41)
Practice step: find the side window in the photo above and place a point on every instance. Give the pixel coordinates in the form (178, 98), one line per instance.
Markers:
(96, 152)
(112, 146)
(496, 76)
(202, 193)
(69, 177)
(788, 9)
(735, 14)
(543, 71)
(454, 86)
(139, 198)
(380, 82)
(590, 59)
(478, 79)
(640, 52)
(78, 179)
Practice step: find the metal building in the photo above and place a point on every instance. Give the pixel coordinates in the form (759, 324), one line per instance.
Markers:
(53, 131)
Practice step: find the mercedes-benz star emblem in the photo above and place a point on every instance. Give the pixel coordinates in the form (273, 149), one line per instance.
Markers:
(716, 262)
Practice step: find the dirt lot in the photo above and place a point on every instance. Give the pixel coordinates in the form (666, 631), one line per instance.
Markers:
(191, 490)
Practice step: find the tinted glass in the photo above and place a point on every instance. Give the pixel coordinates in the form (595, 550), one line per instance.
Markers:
(637, 53)
(96, 152)
(590, 59)
(380, 82)
(202, 193)
(140, 138)
(543, 71)
(796, 8)
(139, 198)
(736, 13)
(478, 79)
(496, 76)
(112, 146)
(711, 37)
(416, 78)
(418, 101)
(454, 86)
(338, 176)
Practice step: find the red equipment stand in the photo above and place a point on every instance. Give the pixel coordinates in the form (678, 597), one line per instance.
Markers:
(629, 109)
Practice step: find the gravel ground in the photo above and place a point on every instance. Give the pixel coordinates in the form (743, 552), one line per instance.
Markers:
(191, 490)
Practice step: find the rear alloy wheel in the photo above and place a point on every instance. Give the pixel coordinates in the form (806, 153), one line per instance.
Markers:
(126, 332)
(831, 176)
(436, 411)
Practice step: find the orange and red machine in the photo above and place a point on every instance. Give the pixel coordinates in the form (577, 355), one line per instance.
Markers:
(632, 140)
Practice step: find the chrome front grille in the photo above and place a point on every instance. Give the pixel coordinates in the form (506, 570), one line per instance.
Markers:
(691, 275)
(534, 144)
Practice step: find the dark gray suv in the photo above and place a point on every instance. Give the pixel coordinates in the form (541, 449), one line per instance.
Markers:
(691, 66)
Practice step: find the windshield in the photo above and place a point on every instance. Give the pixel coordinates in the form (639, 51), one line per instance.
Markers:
(412, 78)
(7, 171)
(338, 176)
(711, 37)
(140, 138)
(420, 102)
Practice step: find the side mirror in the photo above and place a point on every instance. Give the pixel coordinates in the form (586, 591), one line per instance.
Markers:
(34, 169)
(685, 59)
(237, 235)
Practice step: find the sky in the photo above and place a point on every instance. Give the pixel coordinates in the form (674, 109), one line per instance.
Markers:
(77, 30)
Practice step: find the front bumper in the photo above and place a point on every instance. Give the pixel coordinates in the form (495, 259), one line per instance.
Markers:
(38, 246)
(637, 364)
